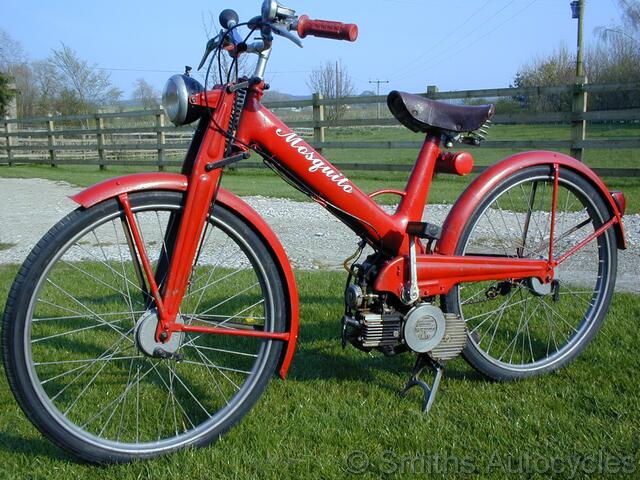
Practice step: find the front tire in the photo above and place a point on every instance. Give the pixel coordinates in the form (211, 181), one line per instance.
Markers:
(518, 329)
(69, 345)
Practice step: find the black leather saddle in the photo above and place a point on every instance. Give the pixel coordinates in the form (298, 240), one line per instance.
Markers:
(421, 114)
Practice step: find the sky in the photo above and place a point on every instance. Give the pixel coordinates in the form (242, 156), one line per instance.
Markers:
(453, 44)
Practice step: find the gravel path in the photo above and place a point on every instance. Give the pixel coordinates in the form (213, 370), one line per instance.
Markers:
(313, 238)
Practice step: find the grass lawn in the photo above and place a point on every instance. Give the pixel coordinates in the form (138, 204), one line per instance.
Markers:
(339, 407)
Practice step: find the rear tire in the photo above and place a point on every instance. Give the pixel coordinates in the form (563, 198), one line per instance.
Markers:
(518, 329)
(68, 342)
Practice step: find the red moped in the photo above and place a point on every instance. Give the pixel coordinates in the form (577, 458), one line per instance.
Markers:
(153, 316)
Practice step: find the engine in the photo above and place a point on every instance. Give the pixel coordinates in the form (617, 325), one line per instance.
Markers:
(372, 323)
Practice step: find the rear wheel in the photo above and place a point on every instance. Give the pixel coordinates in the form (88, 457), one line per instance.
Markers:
(523, 328)
(75, 323)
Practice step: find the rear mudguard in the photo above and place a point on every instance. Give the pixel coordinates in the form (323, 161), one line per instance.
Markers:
(487, 180)
(176, 182)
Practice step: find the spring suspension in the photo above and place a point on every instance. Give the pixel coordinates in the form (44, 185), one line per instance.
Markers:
(238, 107)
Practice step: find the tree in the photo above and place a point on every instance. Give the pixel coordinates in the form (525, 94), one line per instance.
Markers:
(6, 93)
(145, 94)
(11, 52)
(14, 63)
(629, 28)
(615, 58)
(63, 83)
(47, 85)
(88, 86)
(332, 80)
(555, 69)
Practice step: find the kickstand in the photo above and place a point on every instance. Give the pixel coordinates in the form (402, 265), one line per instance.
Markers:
(429, 392)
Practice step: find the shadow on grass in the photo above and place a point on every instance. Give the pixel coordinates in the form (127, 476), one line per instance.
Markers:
(313, 362)
(32, 447)
(329, 361)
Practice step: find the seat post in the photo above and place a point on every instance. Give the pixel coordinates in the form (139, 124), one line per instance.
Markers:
(412, 204)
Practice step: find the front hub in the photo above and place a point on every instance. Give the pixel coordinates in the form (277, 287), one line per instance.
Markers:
(145, 334)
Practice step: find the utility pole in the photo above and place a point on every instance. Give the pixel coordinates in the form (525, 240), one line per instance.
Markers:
(577, 10)
(579, 103)
(378, 82)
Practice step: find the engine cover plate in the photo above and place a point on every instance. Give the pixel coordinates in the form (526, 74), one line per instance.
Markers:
(424, 328)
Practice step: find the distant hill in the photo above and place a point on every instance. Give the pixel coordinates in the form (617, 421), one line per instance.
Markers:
(269, 96)
(128, 103)
(275, 96)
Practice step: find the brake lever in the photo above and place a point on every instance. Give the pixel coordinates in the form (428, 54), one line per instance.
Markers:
(283, 32)
(212, 44)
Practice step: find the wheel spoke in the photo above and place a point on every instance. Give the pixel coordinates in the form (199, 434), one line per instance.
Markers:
(83, 329)
(93, 314)
(85, 351)
(529, 330)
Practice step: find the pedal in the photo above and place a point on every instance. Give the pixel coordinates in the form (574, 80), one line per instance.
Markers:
(555, 290)
(429, 391)
(411, 292)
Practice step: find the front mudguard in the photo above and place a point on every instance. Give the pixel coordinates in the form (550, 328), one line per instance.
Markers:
(176, 182)
(494, 175)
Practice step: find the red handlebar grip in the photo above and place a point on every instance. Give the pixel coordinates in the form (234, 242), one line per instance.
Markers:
(327, 29)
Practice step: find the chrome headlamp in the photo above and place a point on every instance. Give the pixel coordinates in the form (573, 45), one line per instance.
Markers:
(175, 99)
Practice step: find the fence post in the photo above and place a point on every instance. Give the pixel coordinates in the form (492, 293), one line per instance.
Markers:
(578, 126)
(51, 141)
(160, 140)
(318, 116)
(8, 127)
(100, 136)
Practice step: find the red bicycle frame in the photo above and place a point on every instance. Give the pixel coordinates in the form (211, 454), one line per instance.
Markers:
(259, 129)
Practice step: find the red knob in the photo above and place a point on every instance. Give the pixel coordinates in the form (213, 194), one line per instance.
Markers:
(460, 163)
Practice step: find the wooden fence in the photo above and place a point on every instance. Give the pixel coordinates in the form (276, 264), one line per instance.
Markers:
(142, 138)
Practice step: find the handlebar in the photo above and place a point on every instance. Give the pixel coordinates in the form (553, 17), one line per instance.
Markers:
(275, 19)
(327, 29)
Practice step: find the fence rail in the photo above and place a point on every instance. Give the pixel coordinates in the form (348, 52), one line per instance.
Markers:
(142, 138)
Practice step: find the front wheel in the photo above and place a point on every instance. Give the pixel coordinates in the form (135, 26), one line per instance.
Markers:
(78, 317)
(522, 328)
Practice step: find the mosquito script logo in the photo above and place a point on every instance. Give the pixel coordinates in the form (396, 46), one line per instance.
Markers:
(317, 164)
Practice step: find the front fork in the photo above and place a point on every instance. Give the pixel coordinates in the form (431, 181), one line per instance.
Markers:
(168, 299)
(184, 244)
(184, 248)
